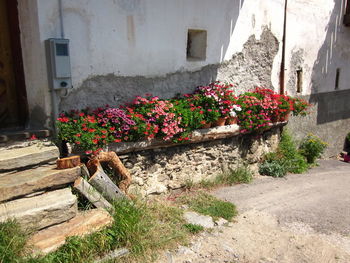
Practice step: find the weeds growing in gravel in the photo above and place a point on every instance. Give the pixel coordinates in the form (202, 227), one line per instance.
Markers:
(206, 204)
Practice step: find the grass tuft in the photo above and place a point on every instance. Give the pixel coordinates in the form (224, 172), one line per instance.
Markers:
(193, 228)
(206, 204)
(12, 242)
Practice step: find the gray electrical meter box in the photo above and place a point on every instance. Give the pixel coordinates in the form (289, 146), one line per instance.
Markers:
(59, 63)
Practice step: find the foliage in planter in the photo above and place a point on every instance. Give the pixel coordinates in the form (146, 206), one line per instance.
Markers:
(300, 107)
(159, 117)
(312, 147)
(92, 130)
(151, 117)
(252, 117)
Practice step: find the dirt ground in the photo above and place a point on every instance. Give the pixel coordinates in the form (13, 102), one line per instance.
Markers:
(300, 218)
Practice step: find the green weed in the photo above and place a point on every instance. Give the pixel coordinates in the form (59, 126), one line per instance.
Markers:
(206, 204)
(193, 228)
(12, 242)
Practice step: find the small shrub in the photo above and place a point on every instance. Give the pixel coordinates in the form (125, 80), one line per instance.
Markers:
(206, 204)
(288, 154)
(193, 228)
(273, 168)
(312, 148)
(348, 138)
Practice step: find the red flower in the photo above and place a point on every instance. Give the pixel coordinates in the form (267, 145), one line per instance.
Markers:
(104, 131)
(63, 119)
(81, 114)
(78, 135)
(77, 142)
(117, 140)
(112, 128)
(92, 130)
(95, 141)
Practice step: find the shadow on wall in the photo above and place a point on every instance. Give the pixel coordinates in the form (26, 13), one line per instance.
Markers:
(331, 71)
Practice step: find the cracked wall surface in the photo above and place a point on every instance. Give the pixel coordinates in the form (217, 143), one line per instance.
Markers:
(246, 69)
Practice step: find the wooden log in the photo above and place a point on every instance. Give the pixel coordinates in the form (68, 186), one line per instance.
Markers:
(103, 183)
(114, 161)
(91, 194)
(119, 252)
(68, 162)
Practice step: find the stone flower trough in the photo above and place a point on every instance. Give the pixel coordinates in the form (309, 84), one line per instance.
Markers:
(158, 166)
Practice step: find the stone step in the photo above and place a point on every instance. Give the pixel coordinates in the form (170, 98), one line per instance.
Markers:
(7, 136)
(16, 184)
(31, 155)
(42, 210)
(49, 239)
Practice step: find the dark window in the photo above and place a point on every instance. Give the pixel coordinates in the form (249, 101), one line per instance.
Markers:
(196, 44)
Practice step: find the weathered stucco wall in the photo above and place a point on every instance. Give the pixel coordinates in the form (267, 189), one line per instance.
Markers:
(157, 171)
(137, 47)
(246, 69)
(329, 119)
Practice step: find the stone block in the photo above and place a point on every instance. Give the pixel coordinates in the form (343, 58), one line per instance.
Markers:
(17, 158)
(41, 211)
(49, 239)
(22, 183)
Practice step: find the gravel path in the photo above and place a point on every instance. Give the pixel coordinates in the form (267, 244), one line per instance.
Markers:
(300, 218)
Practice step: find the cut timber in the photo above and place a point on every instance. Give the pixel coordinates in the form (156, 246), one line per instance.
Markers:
(84, 223)
(114, 162)
(91, 194)
(68, 162)
(12, 159)
(41, 211)
(104, 184)
(22, 183)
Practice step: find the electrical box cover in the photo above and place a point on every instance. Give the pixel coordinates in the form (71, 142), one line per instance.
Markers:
(59, 63)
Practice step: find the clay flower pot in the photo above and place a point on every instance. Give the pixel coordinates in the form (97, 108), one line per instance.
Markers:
(221, 121)
(231, 120)
(206, 125)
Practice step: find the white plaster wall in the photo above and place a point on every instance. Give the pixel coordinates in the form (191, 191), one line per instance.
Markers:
(148, 38)
(315, 28)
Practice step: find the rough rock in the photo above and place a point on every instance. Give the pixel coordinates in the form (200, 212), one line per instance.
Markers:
(84, 223)
(41, 211)
(197, 219)
(22, 183)
(16, 158)
(221, 222)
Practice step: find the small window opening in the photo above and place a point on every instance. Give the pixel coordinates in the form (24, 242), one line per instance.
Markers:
(337, 75)
(196, 44)
(299, 80)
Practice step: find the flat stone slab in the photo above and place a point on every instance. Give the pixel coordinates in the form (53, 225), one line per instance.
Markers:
(200, 135)
(41, 211)
(49, 239)
(22, 183)
(198, 219)
(17, 158)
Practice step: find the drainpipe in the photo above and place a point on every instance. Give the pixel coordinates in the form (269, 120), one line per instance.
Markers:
(282, 72)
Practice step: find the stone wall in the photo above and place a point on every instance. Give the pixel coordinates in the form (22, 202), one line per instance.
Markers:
(159, 170)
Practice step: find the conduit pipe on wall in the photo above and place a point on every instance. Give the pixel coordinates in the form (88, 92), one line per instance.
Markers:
(55, 96)
(282, 71)
(61, 17)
